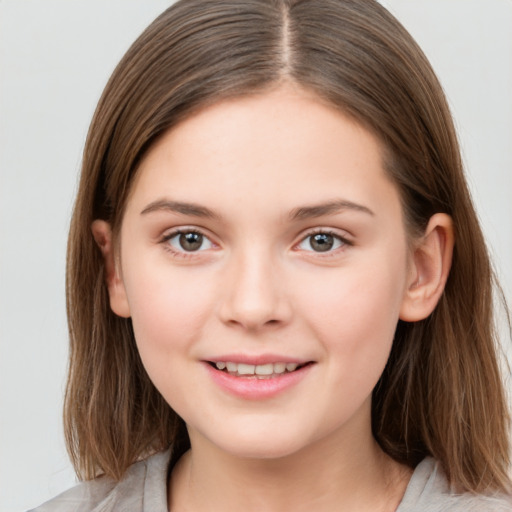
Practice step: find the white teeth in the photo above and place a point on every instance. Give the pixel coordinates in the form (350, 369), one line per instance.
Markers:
(246, 369)
(260, 369)
(232, 367)
(264, 369)
(279, 367)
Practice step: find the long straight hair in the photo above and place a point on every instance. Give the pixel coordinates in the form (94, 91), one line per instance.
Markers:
(441, 392)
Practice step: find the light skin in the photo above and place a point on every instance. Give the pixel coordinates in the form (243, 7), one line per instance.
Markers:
(291, 246)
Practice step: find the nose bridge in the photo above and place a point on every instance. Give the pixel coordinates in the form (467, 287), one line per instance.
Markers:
(255, 296)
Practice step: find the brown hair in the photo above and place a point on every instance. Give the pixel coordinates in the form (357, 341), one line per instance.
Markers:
(441, 392)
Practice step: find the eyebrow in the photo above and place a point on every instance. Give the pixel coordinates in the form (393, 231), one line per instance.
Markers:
(328, 208)
(195, 210)
(300, 213)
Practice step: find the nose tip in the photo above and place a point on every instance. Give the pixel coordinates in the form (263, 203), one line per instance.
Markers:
(252, 318)
(255, 299)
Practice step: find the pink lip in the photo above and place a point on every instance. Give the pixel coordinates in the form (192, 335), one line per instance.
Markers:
(252, 388)
(257, 359)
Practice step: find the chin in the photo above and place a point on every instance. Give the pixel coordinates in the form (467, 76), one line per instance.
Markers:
(261, 446)
(263, 452)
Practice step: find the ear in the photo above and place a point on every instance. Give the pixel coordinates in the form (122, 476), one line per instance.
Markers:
(430, 265)
(102, 233)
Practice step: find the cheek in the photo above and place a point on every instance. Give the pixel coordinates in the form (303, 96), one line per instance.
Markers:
(355, 316)
(360, 294)
(168, 310)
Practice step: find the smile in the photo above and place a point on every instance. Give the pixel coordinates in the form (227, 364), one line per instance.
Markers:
(257, 371)
(257, 381)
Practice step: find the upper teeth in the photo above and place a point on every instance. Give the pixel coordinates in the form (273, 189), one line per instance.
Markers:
(256, 369)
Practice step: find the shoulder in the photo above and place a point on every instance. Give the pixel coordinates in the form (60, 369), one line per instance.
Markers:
(429, 491)
(143, 488)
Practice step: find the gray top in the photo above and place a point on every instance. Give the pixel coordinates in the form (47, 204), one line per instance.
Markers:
(144, 489)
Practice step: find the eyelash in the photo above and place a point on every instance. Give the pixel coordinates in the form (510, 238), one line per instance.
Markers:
(182, 231)
(331, 252)
(190, 254)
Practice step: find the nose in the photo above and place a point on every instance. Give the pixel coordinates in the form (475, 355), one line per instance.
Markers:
(255, 295)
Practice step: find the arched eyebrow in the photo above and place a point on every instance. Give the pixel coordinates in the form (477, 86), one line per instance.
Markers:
(193, 209)
(299, 213)
(327, 208)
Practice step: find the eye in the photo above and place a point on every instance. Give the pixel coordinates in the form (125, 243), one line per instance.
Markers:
(188, 241)
(322, 242)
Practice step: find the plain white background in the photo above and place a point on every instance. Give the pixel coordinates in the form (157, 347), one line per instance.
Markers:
(55, 57)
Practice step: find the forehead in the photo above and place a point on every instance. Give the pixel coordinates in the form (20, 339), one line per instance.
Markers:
(279, 148)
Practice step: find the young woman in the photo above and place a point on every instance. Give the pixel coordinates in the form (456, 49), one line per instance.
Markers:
(279, 295)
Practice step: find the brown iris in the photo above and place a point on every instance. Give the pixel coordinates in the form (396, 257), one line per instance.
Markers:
(321, 242)
(190, 241)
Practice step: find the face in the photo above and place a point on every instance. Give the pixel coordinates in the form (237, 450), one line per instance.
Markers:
(264, 262)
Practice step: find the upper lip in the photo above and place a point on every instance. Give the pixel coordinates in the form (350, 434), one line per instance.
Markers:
(257, 359)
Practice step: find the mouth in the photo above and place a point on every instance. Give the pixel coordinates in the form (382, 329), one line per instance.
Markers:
(257, 371)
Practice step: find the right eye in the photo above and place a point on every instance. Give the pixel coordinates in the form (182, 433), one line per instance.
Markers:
(188, 241)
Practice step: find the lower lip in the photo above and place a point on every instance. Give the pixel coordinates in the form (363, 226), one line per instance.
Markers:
(254, 388)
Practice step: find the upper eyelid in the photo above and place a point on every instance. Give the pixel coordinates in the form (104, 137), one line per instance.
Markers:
(343, 235)
(171, 232)
(346, 242)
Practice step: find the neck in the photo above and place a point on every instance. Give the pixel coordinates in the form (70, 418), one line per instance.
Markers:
(356, 474)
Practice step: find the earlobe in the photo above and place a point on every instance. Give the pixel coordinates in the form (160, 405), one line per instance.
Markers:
(430, 265)
(102, 233)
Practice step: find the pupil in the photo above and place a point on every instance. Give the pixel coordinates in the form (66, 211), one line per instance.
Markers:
(322, 242)
(191, 241)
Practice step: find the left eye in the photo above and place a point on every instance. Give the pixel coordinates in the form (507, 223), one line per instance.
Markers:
(321, 242)
(189, 241)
